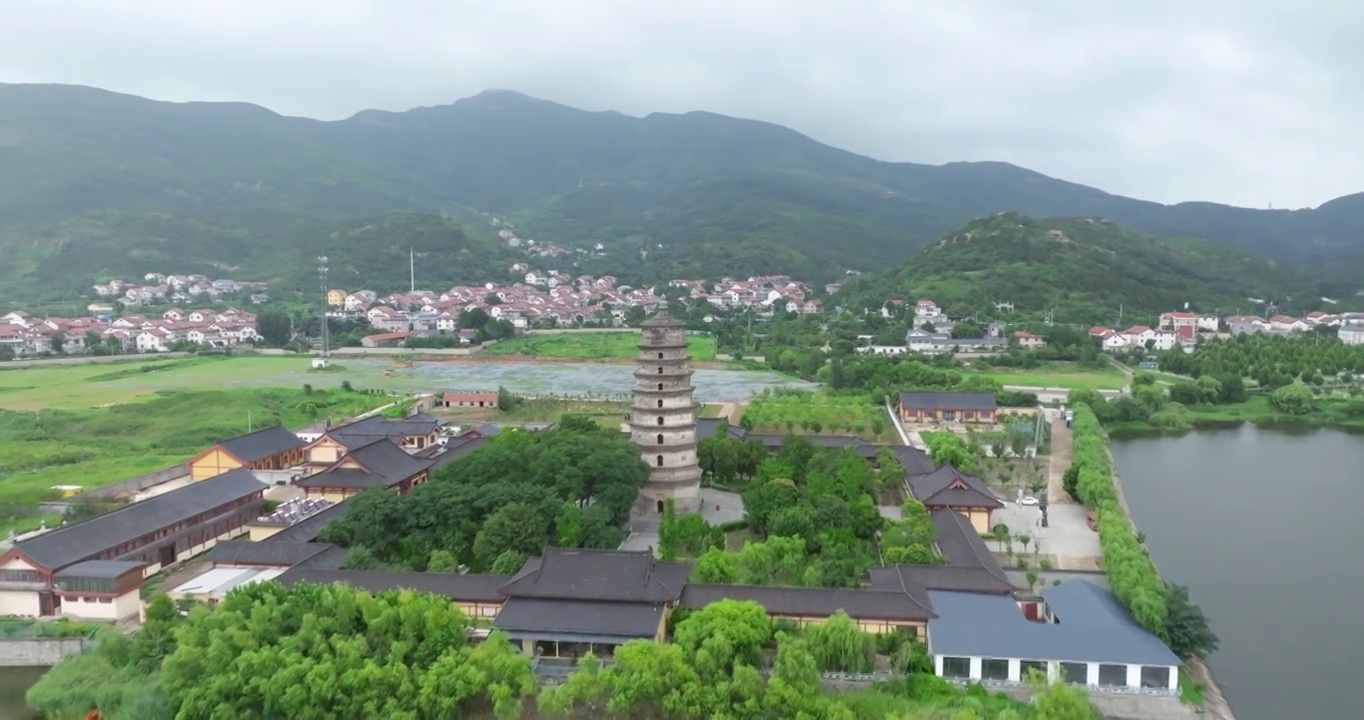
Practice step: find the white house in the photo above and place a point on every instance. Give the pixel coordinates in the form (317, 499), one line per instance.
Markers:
(1176, 320)
(1288, 323)
(1028, 340)
(927, 310)
(1352, 334)
(1166, 339)
(1137, 335)
(1208, 323)
(151, 340)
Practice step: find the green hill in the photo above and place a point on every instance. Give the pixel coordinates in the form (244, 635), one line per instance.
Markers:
(667, 195)
(1082, 268)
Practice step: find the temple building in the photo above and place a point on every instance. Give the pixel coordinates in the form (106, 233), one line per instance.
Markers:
(663, 417)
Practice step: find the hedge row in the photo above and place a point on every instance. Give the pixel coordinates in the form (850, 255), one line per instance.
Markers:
(1131, 574)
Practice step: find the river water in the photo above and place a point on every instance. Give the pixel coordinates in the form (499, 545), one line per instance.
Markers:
(14, 682)
(1263, 526)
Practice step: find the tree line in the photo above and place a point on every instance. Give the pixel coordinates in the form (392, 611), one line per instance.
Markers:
(1164, 609)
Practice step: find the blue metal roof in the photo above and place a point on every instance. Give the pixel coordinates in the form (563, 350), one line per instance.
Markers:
(1092, 627)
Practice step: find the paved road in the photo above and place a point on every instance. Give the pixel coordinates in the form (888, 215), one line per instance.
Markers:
(1050, 394)
(1061, 456)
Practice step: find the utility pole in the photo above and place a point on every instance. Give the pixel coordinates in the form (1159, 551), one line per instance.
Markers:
(412, 268)
(326, 331)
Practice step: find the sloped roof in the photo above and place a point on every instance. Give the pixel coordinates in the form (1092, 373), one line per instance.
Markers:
(609, 575)
(663, 319)
(584, 617)
(874, 604)
(363, 432)
(102, 569)
(71, 544)
(994, 627)
(950, 487)
(962, 546)
(466, 588)
(942, 577)
(261, 444)
(948, 400)
(278, 554)
(454, 449)
(385, 465)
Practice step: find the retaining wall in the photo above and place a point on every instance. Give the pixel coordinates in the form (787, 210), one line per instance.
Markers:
(38, 652)
(137, 484)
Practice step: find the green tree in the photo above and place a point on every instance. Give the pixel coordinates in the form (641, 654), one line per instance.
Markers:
(1293, 399)
(839, 645)
(1186, 627)
(506, 401)
(443, 561)
(723, 635)
(716, 567)
(274, 327)
(516, 527)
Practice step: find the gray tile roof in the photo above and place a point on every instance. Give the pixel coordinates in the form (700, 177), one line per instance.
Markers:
(707, 427)
(363, 432)
(991, 626)
(914, 460)
(465, 588)
(948, 400)
(961, 545)
(876, 604)
(261, 444)
(942, 577)
(277, 554)
(86, 539)
(386, 465)
(949, 487)
(609, 575)
(306, 530)
(101, 569)
(580, 617)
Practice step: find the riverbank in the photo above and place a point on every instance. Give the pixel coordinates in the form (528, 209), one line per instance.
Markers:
(1341, 414)
(1214, 702)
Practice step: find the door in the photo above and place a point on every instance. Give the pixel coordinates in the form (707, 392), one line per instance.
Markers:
(166, 555)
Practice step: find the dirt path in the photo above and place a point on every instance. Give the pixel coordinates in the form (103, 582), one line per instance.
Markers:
(1059, 462)
(728, 411)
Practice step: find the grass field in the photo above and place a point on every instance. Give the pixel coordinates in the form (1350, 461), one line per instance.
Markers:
(101, 446)
(94, 385)
(591, 346)
(1057, 375)
(806, 413)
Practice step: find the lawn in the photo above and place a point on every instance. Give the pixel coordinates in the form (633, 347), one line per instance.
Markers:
(1057, 375)
(608, 413)
(591, 346)
(100, 446)
(816, 413)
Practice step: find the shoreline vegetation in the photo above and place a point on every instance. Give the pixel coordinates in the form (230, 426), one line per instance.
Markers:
(1161, 607)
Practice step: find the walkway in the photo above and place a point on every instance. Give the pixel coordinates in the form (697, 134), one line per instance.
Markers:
(910, 438)
(717, 507)
(1059, 462)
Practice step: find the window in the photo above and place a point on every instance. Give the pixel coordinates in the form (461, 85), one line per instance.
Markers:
(660, 438)
(660, 371)
(956, 667)
(488, 611)
(949, 415)
(994, 669)
(660, 419)
(660, 402)
(1027, 667)
(659, 505)
(660, 356)
(659, 461)
(660, 387)
(1155, 676)
(1075, 673)
(1113, 675)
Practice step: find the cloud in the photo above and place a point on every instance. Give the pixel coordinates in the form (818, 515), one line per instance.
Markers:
(1237, 101)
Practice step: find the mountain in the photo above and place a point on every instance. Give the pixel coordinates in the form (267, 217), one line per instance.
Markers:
(666, 195)
(1084, 269)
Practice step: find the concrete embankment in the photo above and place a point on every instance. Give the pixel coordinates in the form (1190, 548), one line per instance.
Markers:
(38, 652)
(1215, 703)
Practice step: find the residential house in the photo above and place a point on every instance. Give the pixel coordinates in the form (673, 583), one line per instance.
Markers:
(1288, 323)
(1351, 334)
(1172, 321)
(1241, 324)
(469, 399)
(336, 297)
(414, 432)
(271, 448)
(1027, 340)
(383, 340)
(958, 407)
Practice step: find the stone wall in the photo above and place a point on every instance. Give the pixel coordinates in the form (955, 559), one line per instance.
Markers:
(38, 652)
(137, 484)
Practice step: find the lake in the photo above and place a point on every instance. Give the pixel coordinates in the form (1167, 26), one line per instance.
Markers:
(1260, 524)
(14, 682)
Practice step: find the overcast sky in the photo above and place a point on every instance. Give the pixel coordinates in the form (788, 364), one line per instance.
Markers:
(1248, 102)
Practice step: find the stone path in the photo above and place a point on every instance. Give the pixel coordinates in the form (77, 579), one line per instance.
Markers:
(1061, 455)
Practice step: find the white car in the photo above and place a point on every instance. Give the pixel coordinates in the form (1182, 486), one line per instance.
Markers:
(1028, 500)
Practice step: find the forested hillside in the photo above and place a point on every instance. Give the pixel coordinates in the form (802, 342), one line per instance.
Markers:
(695, 194)
(1083, 269)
